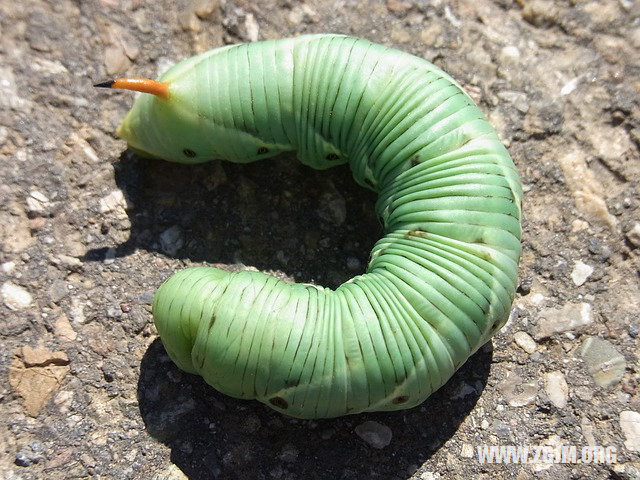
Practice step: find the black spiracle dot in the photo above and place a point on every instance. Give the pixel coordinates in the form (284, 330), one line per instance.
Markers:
(279, 402)
(263, 150)
(400, 399)
(332, 157)
(189, 153)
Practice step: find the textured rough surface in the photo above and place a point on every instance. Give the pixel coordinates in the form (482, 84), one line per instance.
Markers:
(558, 80)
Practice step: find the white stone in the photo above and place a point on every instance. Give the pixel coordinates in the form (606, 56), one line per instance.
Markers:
(77, 311)
(581, 272)
(8, 267)
(510, 54)
(467, 450)
(34, 205)
(430, 476)
(44, 66)
(90, 153)
(557, 389)
(9, 98)
(15, 297)
(537, 298)
(39, 196)
(559, 320)
(570, 86)
(630, 426)
(525, 342)
(113, 201)
(251, 27)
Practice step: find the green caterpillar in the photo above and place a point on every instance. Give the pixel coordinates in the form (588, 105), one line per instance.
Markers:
(440, 282)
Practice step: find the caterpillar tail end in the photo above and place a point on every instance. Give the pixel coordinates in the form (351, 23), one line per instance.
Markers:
(179, 306)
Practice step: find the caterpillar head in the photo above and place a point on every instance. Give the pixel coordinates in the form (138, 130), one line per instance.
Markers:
(161, 123)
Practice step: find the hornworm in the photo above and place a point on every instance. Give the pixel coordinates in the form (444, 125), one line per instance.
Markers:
(440, 282)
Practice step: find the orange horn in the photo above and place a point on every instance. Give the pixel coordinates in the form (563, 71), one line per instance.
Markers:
(144, 85)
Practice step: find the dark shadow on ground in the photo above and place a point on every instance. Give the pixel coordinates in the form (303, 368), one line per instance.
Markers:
(276, 214)
(215, 436)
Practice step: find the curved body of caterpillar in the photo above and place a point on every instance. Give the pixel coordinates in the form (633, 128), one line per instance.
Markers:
(439, 283)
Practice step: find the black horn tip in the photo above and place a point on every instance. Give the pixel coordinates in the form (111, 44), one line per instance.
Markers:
(108, 84)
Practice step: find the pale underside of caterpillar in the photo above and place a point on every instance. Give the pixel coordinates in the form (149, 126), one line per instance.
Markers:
(440, 282)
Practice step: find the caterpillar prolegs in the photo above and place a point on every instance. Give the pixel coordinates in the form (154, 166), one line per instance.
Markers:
(441, 280)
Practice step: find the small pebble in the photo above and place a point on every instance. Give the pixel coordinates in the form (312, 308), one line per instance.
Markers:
(63, 329)
(570, 86)
(603, 361)
(581, 272)
(37, 202)
(463, 390)
(467, 450)
(8, 267)
(170, 472)
(630, 426)
(516, 392)
(146, 298)
(113, 201)
(171, 240)
(557, 389)
(510, 54)
(15, 297)
(251, 27)
(559, 320)
(22, 460)
(430, 476)
(333, 208)
(57, 291)
(115, 60)
(525, 342)
(71, 263)
(375, 434)
(353, 264)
